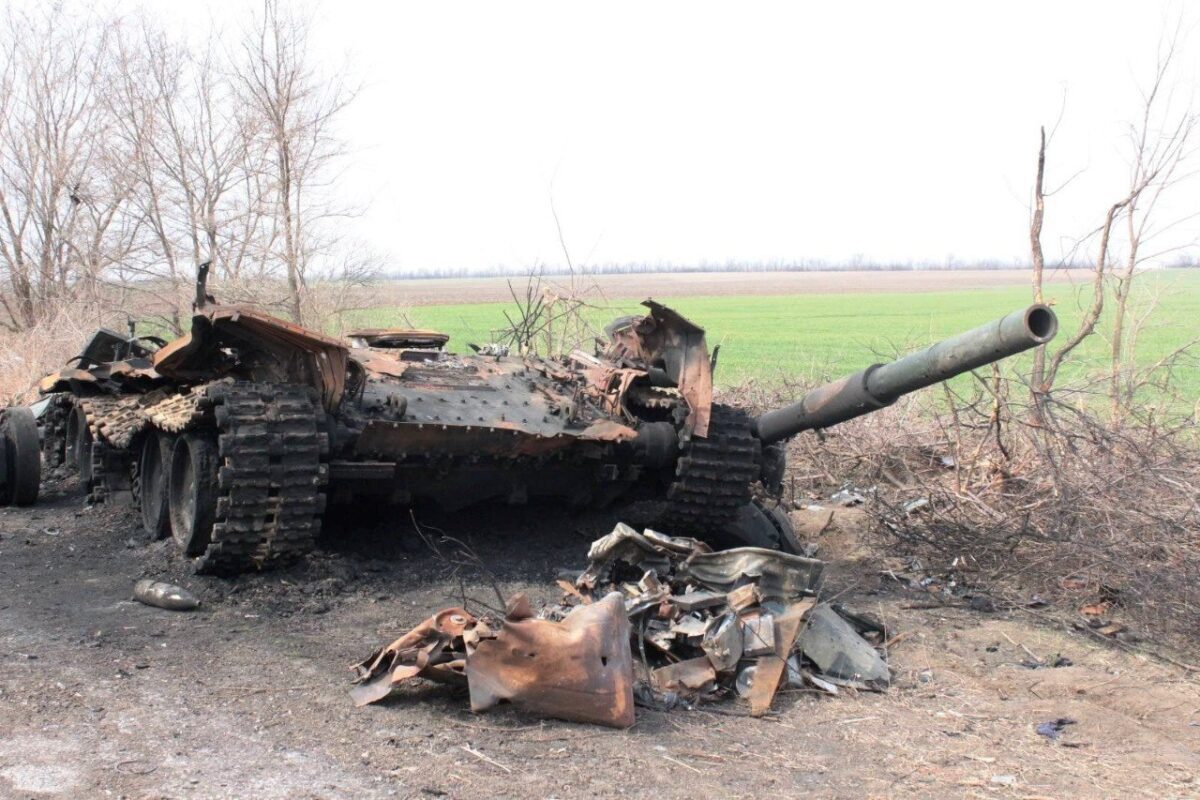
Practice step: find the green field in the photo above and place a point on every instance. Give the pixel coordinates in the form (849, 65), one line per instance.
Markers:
(769, 338)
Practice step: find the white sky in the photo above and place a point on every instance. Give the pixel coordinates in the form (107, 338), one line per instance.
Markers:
(686, 132)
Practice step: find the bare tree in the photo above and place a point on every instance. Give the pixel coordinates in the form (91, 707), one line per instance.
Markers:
(1037, 375)
(1160, 142)
(199, 172)
(297, 106)
(62, 187)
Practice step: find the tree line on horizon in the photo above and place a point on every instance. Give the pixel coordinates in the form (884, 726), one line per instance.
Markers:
(852, 265)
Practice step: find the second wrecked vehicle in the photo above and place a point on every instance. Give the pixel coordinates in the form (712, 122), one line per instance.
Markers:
(234, 437)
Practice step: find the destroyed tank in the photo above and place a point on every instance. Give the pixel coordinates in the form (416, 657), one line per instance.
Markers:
(235, 437)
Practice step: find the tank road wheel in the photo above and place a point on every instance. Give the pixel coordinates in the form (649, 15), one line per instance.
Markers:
(713, 476)
(192, 492)
(263, 483)
(22, 453)
(154, 464)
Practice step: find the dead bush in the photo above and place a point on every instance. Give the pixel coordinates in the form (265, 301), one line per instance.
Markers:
(28, 355)
(550, 318)
(1073, 508)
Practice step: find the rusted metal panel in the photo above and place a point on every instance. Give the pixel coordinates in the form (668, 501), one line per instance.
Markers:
(381, 364)
(578, 669)
(668, 341)
(693, 675)
(771, 667)
(480, 406)
(193, 355)
(61, 381)
(417, 653)
(400, 439)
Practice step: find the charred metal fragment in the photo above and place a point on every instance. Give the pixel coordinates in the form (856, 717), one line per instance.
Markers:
(579, 669)
(843, 656)
(436, 642)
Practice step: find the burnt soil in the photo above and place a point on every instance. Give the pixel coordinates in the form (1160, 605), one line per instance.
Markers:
(247, 697)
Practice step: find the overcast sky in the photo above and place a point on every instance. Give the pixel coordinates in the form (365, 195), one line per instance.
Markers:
(687, 132)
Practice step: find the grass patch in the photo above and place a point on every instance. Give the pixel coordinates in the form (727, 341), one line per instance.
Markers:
(812, 336)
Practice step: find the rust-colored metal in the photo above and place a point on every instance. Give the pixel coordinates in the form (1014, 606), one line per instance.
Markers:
(771, 667)
(322, 364)
(397, 418)
(693, 675)
(579, 669)
(422, 652)
(668, 341)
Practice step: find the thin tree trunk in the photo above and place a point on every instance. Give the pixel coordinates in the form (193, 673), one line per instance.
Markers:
(1037, 379)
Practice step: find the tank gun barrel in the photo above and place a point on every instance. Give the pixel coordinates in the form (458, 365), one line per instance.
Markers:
(880, 385)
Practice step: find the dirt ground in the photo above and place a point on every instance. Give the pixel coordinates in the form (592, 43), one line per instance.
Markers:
(103, 697)
(453, 291)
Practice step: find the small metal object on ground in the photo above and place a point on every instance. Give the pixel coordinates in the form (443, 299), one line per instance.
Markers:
(164, 595)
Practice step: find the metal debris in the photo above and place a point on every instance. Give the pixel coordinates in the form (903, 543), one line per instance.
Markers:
(843, 655)
(655, 619)
(164, 595)
(1052, 729)
(775, 575)
(693, 675)
(577, 669)
(757, 607)
(758, 635)
(847, 497)
(435, 650)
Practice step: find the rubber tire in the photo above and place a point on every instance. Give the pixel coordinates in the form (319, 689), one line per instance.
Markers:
(82, 449)
(22, 457)
(154, 462)
(192, 492)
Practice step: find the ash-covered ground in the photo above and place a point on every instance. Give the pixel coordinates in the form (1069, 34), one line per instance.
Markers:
(247, 697)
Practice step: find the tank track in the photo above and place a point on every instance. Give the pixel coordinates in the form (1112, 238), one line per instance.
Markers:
(113, 422)
(270, 476)
(714, 475)
(110, 473)
(54, 431)
(177, 413)
(118, 421)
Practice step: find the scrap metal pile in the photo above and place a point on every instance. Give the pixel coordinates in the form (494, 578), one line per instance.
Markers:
(654, 619)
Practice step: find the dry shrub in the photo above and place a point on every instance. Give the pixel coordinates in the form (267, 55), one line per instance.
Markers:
(29, 355)
(550, 317)
(1062, 505)
(160, 308)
